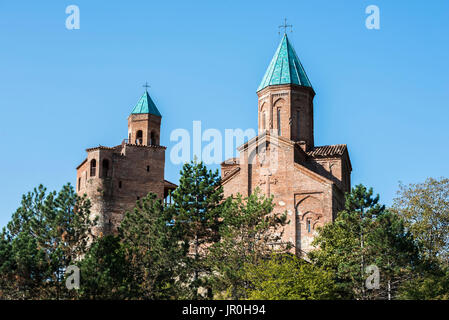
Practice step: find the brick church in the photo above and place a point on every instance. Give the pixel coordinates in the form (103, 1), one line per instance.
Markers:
(114, 178)
(307, 181)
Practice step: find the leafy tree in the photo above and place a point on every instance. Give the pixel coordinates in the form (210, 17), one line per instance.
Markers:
(287, 277)
(47, 233)
(249, 233)
(425, 210)
(196, 210)
(365, 234)
(153, 249)
(429, 284)
(394, 251)
(106, 272)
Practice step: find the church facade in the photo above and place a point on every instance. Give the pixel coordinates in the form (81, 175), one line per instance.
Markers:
(308, 182)
(114, 178)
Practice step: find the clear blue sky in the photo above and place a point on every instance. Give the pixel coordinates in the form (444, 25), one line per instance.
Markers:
(383, 92)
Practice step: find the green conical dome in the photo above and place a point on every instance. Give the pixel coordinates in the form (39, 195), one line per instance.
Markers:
(146, 105)
(285, 68)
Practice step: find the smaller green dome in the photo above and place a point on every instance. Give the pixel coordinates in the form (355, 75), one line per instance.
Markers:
(146, 105)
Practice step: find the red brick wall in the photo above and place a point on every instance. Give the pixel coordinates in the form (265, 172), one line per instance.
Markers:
(309, 190)
(126, 181)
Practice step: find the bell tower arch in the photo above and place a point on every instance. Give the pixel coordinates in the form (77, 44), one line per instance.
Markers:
(144, 122)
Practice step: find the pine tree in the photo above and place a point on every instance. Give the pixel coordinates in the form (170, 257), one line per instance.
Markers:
(7, 266)
(46, 234)
(250, 232)
(152, 250)
(366, 234)
(196, 209)
(106, 272)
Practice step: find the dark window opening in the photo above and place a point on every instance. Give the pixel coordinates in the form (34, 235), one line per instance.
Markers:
(264, 123)
(79, 184)
(139, 137)
(298, 125)
(148, 168)
(105, 168)
(308, 226)
(120, 184)
(93, 167)
(152, 139)
(250, 178)
(279, 122)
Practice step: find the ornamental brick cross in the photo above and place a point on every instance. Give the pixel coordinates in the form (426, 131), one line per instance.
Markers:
(267, 182)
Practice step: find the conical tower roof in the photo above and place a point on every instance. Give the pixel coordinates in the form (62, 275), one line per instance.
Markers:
(146, 105)
(285, 68)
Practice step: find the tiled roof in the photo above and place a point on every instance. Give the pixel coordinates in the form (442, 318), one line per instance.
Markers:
(285, 68)
(327, 151)
(168, 184)
(128, 144)
(146, 146)
(230, 161)
(100, 147)
(230, 174)
(146, 105)
(84, 161)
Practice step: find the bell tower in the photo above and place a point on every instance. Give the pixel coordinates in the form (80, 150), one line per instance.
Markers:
(286, 97)
(144, 122)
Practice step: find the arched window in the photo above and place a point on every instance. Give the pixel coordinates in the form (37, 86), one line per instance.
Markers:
(279, 122)
(93, 167)
(298, 124)
(139, 135)
(250, 178)
(79, 184)
(152, 138)
(105, 167)
(309, 227)
(264, 121)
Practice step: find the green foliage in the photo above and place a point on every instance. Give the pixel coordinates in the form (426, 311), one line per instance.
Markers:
(46, 234)
(153, 249)
(232, 247)
(429, 285)
(105, 271)
(249, 233)
(7, 266)
(365, 234)
(196, 210)
(287, 277)
(425, 210)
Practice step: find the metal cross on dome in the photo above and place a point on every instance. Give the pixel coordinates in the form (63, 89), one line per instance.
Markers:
(285, 26)
(146, 86)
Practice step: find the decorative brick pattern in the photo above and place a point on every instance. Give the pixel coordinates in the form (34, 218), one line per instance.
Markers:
(307, 182)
